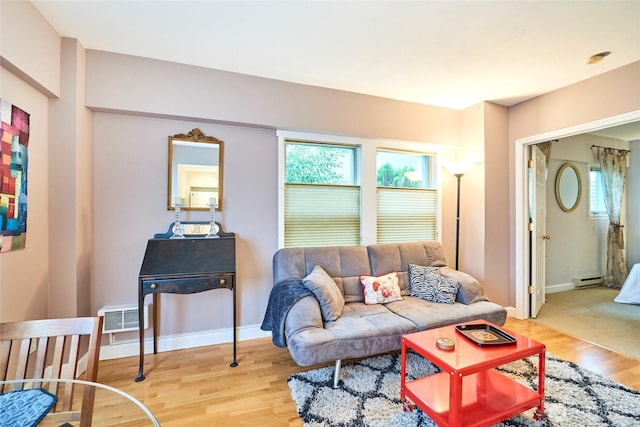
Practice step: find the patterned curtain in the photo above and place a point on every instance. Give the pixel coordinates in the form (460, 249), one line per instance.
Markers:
(613, 170)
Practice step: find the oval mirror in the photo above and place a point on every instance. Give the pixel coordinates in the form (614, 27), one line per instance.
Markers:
(195, 171)
(568, 187)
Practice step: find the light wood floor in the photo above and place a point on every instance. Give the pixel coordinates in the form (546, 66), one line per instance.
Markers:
(196, 387)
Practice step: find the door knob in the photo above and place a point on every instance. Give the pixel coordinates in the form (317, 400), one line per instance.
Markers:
(546, 237)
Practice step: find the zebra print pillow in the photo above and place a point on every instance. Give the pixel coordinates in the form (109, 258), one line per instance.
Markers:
(428, 284)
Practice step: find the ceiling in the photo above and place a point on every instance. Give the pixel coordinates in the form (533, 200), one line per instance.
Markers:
(627, 132)
(444, 53)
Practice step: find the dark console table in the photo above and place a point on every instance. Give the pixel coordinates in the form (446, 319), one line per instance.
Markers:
(185, 266)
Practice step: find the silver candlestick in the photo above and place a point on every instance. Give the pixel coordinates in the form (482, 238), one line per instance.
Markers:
(213, 227)
(178, 228)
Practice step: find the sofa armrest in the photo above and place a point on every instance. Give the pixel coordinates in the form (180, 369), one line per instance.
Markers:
(304, 314)
(470, 289)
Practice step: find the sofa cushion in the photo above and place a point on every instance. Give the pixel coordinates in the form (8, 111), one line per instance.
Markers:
(427, 283)
(343, 263)
(470, 290)
(326, 291)
(381, 289)
(397, 257)
(428, 315)
(362, 330)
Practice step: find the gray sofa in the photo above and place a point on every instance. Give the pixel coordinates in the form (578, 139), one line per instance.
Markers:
(360, 329)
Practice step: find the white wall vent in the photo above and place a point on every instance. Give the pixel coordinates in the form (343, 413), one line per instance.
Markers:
(586, 281)
(122, 318)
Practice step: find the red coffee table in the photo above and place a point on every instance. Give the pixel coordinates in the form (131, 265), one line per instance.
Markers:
(469, 391)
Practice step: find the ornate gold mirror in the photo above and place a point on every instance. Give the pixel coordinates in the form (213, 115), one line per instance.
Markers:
(195, 171)
(568, 187)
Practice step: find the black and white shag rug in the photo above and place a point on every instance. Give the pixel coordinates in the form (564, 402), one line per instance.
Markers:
(370, 395)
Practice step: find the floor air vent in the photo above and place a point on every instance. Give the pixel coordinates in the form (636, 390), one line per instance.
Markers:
(587, 281)
(122, 318)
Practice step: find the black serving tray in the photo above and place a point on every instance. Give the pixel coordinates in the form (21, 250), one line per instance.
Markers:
(485, 335)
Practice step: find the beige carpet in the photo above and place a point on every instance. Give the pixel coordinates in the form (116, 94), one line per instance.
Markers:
(591, 314)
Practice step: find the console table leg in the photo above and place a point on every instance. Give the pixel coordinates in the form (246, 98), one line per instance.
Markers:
(154, 310)
(140, 376)
(235, 360)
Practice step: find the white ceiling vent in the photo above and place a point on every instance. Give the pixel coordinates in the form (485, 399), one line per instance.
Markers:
(122, 318)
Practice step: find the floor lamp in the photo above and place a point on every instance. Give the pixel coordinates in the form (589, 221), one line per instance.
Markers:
(458, 170)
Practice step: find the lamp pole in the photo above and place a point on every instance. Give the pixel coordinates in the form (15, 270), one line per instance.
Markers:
(458, 176)
(458, 169)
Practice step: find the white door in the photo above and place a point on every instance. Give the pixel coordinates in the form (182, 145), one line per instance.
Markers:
(538, 209)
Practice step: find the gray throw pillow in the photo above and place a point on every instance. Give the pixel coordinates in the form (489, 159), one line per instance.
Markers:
(470, 290)
(326, 291)
(427, 283)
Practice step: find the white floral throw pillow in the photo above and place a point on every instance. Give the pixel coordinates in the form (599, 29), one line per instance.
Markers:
(382, 289)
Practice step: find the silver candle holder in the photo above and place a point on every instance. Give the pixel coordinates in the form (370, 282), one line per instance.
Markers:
(178, 228)
(213, 227)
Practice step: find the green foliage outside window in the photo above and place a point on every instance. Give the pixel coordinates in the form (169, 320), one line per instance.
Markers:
(388, 176)
(313, 164)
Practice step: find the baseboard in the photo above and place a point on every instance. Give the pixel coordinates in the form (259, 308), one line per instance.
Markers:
(561, 287)
(511, 312)
(181, 341)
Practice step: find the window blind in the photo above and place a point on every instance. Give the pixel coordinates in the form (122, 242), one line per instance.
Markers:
(321, 215)
(406, 215)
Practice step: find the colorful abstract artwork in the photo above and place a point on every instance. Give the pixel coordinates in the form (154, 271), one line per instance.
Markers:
(14, 142)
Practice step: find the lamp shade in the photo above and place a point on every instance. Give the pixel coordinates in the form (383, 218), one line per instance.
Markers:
(459, 168)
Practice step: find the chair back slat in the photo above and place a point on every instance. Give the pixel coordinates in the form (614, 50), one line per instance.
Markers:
(69, 370)
(23, 359)
(41, 358)
(57, 360)
(52, 349)
(5, 349)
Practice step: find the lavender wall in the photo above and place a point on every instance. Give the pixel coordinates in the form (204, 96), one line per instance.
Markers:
(168, 89)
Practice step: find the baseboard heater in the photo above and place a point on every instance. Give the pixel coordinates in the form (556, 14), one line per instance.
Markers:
(580, 282)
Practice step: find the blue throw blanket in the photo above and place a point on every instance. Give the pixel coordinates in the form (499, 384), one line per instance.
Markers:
(283, 295)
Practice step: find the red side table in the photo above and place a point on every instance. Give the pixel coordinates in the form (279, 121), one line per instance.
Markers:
(469, 391)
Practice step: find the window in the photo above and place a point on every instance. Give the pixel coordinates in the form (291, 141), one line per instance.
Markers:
(321, 198)
(341, 190)
(407, 203)
(597, 206)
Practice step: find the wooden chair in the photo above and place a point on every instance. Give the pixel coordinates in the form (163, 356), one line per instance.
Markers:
(52, 349)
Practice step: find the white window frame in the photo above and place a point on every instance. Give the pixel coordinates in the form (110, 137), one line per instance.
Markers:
(367, 178)
(428, 174)
(604, 214)
(324, 213)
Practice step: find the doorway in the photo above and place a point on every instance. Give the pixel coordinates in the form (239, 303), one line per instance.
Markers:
(522, 240)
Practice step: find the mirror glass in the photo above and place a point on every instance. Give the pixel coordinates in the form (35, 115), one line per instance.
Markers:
(568, 187)
(195, 171)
